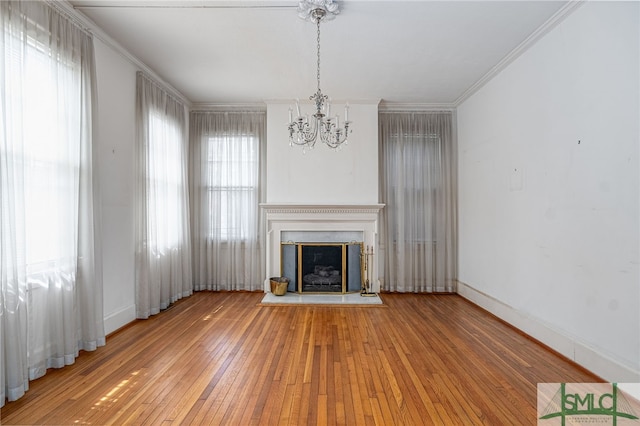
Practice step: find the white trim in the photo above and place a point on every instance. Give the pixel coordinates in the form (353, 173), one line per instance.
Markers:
(119, 319)
(213, 107)
(569, 346)
(306, 101)
(273, 208)
(386, 106)
(184, 4)
(540, 32)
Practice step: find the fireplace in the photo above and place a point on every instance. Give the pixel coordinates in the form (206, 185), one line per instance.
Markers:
(288, 226)
(314, 267)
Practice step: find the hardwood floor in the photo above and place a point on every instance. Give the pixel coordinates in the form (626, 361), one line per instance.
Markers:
(221, 358)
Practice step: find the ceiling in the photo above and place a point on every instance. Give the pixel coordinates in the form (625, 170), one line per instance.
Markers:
(245, 52)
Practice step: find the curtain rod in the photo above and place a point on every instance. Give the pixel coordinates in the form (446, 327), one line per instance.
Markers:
(162, 87)
(69, 16)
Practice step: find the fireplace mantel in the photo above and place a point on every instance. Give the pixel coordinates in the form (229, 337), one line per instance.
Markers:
(270, 208)
(281, 218)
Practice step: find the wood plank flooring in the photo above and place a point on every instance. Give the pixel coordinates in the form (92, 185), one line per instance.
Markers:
(222, 359)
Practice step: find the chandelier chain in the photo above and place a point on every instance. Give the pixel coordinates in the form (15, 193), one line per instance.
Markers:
(318, 41)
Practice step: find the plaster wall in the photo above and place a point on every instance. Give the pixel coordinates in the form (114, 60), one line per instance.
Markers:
(549, 190)
(115, 140)
(323, 176)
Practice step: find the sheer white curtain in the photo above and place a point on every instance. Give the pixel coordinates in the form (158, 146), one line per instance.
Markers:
(50, 263)
(163, 252)
(418, 187)
(226, 186)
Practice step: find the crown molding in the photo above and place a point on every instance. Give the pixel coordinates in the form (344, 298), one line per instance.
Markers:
(567, 9)
(213, 107)
(97, 32)
(184, 4)
(306, 101)
(414, 107)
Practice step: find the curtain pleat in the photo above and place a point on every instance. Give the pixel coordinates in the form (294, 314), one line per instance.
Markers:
(418, 187)
(163, 244)
(50, 259)
(226, 168)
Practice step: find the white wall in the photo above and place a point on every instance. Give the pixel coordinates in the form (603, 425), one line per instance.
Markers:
(549, 190)
(116, 131)
(322, 175)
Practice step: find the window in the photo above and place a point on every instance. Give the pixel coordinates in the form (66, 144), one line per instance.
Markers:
(162, 254)
(233, 187)
(49, 154)
(415, 187)
(225, 158)
(165, 174)
(51, 283)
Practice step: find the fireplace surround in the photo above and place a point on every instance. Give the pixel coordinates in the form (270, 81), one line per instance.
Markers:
(307, 223)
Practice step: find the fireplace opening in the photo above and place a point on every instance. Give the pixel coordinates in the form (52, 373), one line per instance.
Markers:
(322, 267)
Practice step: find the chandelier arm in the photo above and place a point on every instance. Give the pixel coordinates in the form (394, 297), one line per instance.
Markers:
(305, 133)
(332, 137)
(311, 132)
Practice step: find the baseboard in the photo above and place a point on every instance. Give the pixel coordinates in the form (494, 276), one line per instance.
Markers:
(119, 319)
(587, 357)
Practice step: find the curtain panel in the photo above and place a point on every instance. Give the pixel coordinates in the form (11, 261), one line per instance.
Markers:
(226, 167)
(418, 188)
(50, 259)
(163, 245)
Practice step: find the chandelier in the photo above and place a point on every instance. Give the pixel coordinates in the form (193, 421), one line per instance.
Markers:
(305, 130)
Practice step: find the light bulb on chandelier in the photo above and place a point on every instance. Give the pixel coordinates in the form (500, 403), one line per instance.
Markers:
(303, 130)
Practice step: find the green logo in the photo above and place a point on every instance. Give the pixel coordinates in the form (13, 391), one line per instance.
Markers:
(586, 403)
